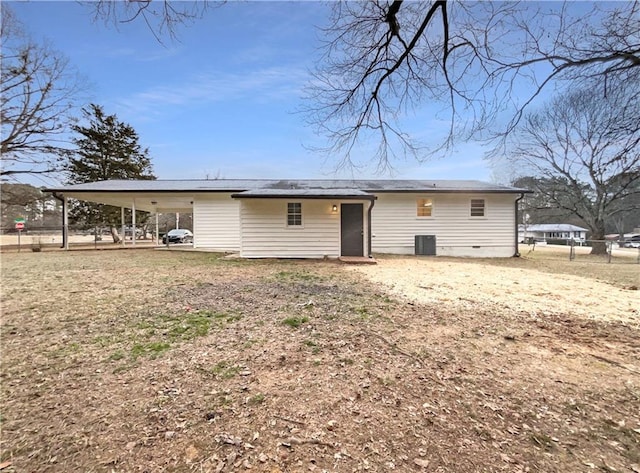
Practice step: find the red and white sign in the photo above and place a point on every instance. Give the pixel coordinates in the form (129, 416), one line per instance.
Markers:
(19, 225)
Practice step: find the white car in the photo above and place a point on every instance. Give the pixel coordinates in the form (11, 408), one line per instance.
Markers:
(178, 235)
(633, 243)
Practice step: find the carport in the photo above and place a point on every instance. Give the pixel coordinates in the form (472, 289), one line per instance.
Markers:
(150, 201)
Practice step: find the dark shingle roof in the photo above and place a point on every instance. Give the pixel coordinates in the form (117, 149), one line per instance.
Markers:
(305, 193)
(312, 186)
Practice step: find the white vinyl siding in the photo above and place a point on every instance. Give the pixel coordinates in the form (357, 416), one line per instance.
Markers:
(395, 224)
(216, 222)
(265, 233)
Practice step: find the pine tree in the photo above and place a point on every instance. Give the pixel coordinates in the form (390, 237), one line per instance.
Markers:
(105, 149)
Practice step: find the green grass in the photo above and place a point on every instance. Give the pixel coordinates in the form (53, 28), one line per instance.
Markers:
(158, 333)
(194, 325)
(187, 326)
(256, 399)
(362, 312)
(315, 349)
(64, 350)
(301, 276)
(225, 370)
(105, 341)
(295, 322)
(152, 349)
(386, 381)
(117, 355)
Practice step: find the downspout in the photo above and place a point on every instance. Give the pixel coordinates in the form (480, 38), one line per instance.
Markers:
(64, 229)
(517, 253)
(373, 202)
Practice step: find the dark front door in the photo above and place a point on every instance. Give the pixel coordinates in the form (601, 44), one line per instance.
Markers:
(351, 230)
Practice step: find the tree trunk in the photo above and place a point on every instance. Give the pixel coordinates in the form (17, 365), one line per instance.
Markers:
(115, 235)
(598, 245)
(145, 231)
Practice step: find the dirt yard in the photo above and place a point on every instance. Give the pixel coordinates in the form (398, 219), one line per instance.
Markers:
(520, 291)
(147, 361)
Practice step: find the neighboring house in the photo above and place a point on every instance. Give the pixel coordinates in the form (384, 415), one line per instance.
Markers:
(262, 218)
(551, 231)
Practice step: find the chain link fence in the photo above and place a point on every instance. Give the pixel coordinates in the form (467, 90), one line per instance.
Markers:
(595, 251)
(38, 238)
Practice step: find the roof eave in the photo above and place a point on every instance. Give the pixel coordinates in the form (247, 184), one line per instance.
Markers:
(303, 196)
(450, 191)
(141, 191)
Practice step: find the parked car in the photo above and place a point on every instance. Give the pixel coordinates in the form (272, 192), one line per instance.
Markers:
(632, 243)
(178, 235)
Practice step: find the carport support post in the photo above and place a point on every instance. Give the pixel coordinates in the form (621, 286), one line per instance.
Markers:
(157, 232)
(133, 223)
(122, 224)
(65, 223)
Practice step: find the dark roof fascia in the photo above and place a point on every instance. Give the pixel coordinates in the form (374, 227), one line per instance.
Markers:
(236, 191)
(376, 190)
(304, 197)
(450, 191)
(144, 191)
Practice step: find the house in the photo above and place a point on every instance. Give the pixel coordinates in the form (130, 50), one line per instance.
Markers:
(260, 218)
(551, 231)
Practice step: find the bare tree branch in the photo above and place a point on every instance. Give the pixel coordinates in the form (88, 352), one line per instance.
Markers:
(587, 146)
(161, 17)
(38, 93)
(484, 63)
(474, 59)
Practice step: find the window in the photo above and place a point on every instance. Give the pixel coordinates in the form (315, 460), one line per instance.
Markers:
(477, 207)
(294, 214)
(425, 208)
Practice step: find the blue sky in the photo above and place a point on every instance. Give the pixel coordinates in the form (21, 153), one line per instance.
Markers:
(223, 99)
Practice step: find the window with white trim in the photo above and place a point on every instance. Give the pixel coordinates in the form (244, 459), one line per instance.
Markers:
(424, 208)
(477, 208)
(294, 214)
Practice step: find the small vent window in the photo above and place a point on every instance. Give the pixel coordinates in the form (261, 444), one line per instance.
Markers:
(294, 214)
(477, 207)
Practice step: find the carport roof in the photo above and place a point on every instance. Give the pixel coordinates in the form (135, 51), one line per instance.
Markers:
(266, 186)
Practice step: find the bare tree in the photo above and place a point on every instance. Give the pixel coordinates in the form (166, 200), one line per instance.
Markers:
(587, 145)
(161, 17)
(477, 60)
(38, 92)
(541, 206)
